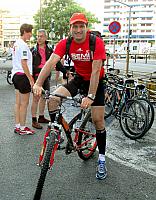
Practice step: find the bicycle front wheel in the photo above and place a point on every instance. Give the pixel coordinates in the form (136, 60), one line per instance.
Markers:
(133, 119)
(86, 138)
(45, 166)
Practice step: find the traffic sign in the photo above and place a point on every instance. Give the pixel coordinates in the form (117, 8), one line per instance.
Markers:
(114, 27)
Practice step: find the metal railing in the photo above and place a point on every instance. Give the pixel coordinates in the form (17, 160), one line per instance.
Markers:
(145, 57)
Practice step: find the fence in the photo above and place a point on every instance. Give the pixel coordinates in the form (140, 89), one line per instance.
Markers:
(145, 57)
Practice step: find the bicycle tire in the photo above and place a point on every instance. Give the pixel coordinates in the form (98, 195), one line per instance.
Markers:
(108, 109)
(133, 119)
(150, 111)
(45, 166)
(109, 104)
(9, 80)
(88, 149)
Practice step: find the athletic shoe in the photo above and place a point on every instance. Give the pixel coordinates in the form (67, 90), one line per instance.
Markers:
(101, 172)
(43, 120)
(16, 130)
(36, 125)
(26, 131)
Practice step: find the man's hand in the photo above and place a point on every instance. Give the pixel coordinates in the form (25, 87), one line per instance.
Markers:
(37, 90)
(86, 102)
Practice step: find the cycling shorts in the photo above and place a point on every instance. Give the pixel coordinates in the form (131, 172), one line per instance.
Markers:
(78, 85)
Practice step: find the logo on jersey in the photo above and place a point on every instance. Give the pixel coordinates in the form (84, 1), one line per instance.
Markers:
(81, 56)
(24, 53)
(79, 50)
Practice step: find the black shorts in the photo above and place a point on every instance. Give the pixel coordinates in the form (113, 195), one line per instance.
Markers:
(21, 83)
(46, 84)
(77, 84)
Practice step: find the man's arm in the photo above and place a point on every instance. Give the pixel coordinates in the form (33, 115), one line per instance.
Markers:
(47, 69)
(94, 79)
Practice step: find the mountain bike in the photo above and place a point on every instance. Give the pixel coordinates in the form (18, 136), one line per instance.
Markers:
(132, 114)
(80, 134)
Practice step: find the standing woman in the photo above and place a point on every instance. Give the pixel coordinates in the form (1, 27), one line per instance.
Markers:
(22, 78)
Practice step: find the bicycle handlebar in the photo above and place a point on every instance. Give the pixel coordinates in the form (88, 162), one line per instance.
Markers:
(49, 95)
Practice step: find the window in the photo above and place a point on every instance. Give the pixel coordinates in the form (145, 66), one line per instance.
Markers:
(134, 47)
(106, 7)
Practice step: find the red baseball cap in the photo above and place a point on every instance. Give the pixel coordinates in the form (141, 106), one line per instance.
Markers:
(78, 17)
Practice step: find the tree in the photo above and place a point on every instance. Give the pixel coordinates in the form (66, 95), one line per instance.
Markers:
(55, 14)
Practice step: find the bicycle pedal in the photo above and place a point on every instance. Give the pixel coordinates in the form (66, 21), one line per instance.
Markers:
(67, 151)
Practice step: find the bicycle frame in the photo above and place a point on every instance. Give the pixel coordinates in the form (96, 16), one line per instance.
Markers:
(73, 144)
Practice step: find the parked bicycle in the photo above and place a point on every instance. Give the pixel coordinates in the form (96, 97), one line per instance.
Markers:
(80, 134)
(141, 93)
(132, 114)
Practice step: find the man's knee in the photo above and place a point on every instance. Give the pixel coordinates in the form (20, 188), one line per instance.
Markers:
(99, 123)
(53, 103)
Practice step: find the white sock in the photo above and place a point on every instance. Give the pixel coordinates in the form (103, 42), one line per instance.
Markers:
(22, 128)
(102, 157)
(17, 125)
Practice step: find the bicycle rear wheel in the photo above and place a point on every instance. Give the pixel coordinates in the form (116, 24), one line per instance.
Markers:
(150, 111)
(133, 119)
(87, 138)
(45, 166)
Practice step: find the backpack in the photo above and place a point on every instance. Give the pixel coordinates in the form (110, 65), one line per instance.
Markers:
(92, 45)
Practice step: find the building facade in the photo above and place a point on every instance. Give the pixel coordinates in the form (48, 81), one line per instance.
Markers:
(10, 26)
(138, 16)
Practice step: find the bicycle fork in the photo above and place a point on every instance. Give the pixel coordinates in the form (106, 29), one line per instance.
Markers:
(44, 144)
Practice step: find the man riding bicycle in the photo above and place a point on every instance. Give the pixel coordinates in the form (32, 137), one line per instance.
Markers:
(89, 77)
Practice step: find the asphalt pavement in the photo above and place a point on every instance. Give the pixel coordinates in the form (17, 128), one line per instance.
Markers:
(131, 164)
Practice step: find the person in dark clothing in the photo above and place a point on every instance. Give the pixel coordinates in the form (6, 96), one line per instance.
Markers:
(41, 53)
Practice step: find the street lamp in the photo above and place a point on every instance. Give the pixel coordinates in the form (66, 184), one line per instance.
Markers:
(129, 33)
(40, 13)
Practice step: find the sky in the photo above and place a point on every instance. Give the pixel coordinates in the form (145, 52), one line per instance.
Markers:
(31, 6)
(95, 6)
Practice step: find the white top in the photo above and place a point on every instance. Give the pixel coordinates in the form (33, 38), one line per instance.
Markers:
(21, 51)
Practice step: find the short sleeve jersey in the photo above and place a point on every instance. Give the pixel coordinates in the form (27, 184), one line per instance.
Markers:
(80, 55)
(21, 51)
